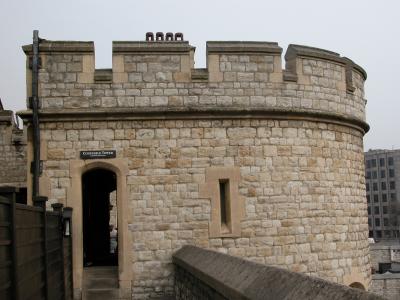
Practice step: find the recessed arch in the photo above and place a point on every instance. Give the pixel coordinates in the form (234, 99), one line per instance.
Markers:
(74, 200)
(355, 279)
(357, 285)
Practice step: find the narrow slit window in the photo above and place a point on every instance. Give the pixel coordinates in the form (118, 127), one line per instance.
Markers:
(225, 205)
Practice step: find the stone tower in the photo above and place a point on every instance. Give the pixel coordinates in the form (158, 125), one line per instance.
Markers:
(244, 157)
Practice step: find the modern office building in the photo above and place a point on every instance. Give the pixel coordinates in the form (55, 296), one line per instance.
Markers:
(382, 176)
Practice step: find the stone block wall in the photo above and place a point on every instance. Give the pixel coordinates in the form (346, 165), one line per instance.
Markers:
(304, 210)
(13, 160)
(379, 254)
(293, 136)
(386, 285)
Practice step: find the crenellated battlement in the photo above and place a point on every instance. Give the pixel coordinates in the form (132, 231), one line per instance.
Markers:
(157, 74)
(173, 47)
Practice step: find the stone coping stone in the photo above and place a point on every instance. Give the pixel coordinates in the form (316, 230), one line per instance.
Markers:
(386, 275)
(61, 46)
(294, 51)
(236, 278)
(243, 47)
(151, 47)
(384, 247)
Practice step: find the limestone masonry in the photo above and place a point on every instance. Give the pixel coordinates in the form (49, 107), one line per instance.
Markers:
(282, 147)
(12, 151)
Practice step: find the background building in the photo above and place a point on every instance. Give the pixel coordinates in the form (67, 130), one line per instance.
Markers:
(12, 152)
(382, 170)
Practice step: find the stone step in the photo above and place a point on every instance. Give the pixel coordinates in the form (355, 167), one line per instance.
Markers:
(101, 294)
(100, 272)
(100, 283)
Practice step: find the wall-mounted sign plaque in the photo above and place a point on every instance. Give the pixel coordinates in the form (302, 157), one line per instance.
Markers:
(98, 154)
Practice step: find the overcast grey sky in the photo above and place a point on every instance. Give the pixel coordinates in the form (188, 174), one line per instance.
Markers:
(366, 31)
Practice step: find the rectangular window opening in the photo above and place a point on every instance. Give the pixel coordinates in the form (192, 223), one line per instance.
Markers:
(381, 162)
(225, 205)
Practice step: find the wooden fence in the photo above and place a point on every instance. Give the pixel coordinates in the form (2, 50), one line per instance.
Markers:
(35, 257)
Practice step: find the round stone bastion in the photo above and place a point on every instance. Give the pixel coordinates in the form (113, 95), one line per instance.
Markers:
(244, 156)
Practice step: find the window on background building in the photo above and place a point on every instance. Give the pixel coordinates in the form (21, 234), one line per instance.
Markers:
(376, 210)
(391, 172)
(367, 187)
(373, 163)
(384, 267)
(390, 161)
(368, 164)
(387, 233)
(369, 210)
(376, 198)
(382, 162)
(369, 222)
(368, 198)
(383, 174)
(368, 175)
(374, 175)
(384, 198)
(370, 234)
(383, 186)
(385, 210)
(385, 222)
(393, 197)
(392, 185)
(377, 222)
(375, 186)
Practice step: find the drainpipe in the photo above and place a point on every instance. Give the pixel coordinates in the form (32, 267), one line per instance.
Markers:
(35, 115)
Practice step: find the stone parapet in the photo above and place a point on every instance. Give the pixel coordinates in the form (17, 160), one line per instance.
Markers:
(239, 75)
(204, 274)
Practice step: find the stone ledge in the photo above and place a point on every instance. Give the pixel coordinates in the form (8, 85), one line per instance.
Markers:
(103, 75)
(151, 47)
(243, 47)
(168, 113)
(236, 278)
(386, 276)
(61, 46)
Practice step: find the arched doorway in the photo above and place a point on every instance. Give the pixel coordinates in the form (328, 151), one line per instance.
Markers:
(119, 167)
(99, 218)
